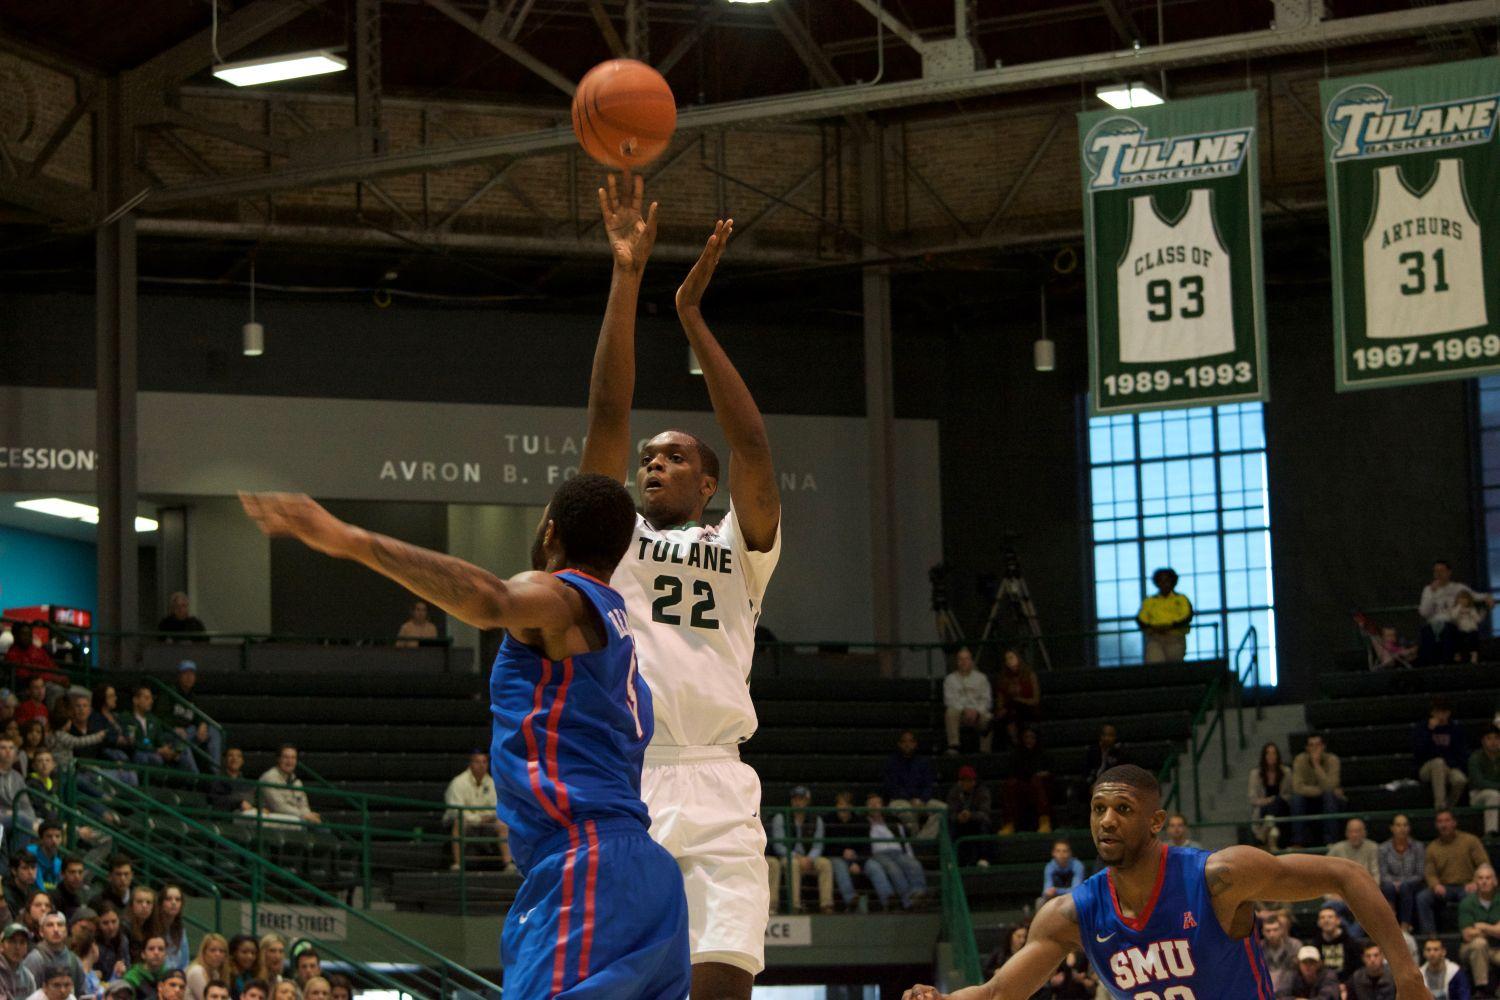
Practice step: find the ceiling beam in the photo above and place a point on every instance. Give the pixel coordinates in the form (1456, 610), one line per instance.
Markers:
(863, 97)
(685, 42)
(893, 24)
(505, 45)
(246, 25)
(607, 29)
(1120, 21)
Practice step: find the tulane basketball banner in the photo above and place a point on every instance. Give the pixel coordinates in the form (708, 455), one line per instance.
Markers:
(1171, 213)
(1413, 193)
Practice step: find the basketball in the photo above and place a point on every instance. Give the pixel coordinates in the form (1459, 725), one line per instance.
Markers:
(624, 113)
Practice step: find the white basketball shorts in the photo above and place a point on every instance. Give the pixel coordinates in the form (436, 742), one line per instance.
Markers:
(705, 810)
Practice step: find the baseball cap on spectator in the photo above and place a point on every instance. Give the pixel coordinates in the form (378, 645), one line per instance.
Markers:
(1309, 954)
(967, 772)
(187, 665)
(801, 790)
(119, 989)
(83, 913)
(173, 974)
(11, 930)
(302, 946)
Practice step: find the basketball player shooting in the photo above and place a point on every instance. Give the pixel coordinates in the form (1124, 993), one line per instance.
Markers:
(694, 594)
(601, 914)
(1178, 923)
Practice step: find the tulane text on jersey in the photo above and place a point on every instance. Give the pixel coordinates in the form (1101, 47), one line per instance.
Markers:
(1118, 154)
(1363, 123)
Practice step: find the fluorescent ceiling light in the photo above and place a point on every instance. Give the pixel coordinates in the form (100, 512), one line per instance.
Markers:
(252, 72)
(73, 511)
(749, 1)
(1132, 95)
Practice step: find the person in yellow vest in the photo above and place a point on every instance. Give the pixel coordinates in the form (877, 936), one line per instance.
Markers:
(1164, 617)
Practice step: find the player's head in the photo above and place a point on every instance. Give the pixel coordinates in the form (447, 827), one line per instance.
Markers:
(1125, 814)
(677, 475)
(587, 525)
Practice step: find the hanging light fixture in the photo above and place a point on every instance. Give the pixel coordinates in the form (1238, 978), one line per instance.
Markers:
(1124, 96)
(270, 69)
(254, 343)
(1044, 351)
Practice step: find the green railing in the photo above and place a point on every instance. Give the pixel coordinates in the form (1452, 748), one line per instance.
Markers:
(246, 874)
(957, 924)
(1230, 682)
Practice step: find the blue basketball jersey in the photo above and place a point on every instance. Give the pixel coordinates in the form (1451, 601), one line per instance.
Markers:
(569, 735)
(1175, 948)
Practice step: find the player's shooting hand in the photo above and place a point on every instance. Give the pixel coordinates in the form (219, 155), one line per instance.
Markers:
(690, 294)
(920, 992)
(296, 515)
(631, 234)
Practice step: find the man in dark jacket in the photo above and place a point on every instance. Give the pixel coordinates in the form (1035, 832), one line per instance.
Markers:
(969, 816)
(909, 783)
(1374, 980)
(1440, 753)
(16, 983)
(1312, 981)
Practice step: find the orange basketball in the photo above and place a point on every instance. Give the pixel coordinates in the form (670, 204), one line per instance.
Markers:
(624, 113)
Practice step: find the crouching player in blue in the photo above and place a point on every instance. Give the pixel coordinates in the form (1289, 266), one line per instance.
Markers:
(1178, 923)
(602, 912)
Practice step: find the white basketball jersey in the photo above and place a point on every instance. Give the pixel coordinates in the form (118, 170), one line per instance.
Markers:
(694, 595)
(1424, 266)
(1173, 285)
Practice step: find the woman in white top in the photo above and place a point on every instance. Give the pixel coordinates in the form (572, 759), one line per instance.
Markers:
(211, 965)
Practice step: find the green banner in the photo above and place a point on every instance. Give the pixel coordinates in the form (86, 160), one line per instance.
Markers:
(1413, 190)
(1171, 222)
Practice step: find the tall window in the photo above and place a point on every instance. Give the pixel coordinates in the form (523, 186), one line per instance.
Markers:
(1185, 489)
(1489, 472)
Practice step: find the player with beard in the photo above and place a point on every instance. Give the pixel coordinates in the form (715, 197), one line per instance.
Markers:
(1177, 923)
(693, 592)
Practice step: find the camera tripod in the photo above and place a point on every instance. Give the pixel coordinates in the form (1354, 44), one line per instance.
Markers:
(1013, 592)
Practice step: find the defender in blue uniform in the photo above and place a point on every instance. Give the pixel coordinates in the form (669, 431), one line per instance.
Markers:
(1175, 923)
(601, 914)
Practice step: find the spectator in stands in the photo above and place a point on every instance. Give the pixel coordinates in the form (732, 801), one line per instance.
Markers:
(471, 802)
(244, 959)
(33, 740)
(74, 738)
(340, 987)
(182, 717)
(799, 845)
(909, 784)
(179, 618)
(416, 628)
(1339, 950)
(306, 963)
(289, 797)
(256, 989)
(166, 923)
(848, 857)
(1373, 980)
(30, 659)
(47, 852)
(218, 991)
(1439, 600)
(1073, 980)
(138, 920)
(1012, 940)
(57, 984)
(1316, 788)
(1362, 851)
(211, 966)
(1390, 653)
(967, 699)
(317, 988)
(1452, 860)
(1165, 617)
(1270, 794)
(1280, 950)
(1439, 752)
(16, 981)
(43, 788)
(117, 886)
(1484, 779)
(53, 949)
(1178, 834)
(1062, 874)
(148, 971)
(286, 990)
(272, 958)
(1479, 927)
(16, 812)
(1443, 978)
(891, 853)
(20, 883)
(1467, 617)
(1312, 981)
(153, 744)
(34, 705)
(172, 985)
(38, 906)
(1103, 754)
(1028, 784)
(116, 745)
(969, 816)
(68, 898)
(1018, 696)
(81, 943)
(114, 945)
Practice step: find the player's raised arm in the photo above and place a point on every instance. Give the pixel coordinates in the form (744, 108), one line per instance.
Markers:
(608, 449)
(528, 601)
(752, 476)
(1245, 874)
(1053, 934)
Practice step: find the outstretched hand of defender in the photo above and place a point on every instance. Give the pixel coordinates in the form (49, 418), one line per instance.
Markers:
(690, 294)
(299, 516)
(632, 233)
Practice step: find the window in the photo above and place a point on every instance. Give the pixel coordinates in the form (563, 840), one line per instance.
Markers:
(1185, 489)
(1489, 472)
